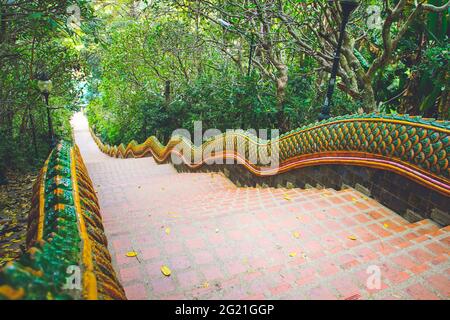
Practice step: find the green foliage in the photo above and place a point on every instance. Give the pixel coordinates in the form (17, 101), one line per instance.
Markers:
(231, 64)
(35, 38)
(434, 75)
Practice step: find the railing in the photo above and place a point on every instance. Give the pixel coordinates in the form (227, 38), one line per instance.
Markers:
(67, 256)
(414, 147)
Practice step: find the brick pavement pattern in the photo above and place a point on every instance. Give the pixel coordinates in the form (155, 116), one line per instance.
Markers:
(227, 242)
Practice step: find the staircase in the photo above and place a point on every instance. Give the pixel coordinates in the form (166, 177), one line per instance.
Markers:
(225, 242)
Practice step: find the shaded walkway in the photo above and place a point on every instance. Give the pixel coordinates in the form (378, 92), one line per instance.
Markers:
(224, 242)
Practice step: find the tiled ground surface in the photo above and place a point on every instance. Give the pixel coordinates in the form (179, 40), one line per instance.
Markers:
(246, 243)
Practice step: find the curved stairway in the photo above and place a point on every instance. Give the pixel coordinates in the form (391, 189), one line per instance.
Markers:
(225, 242)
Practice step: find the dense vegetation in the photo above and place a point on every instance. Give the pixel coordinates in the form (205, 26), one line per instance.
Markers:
(149, 67)
(34, 40)
(255, 64)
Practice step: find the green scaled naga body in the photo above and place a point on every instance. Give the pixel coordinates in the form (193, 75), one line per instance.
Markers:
(63, 247)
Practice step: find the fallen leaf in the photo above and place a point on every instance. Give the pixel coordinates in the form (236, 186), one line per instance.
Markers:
(286, 197)
(166, 271)
(167, 231)
(352, 237)
(354, 297)
(296, 235)
(205, 284)
(293, 254)
(386, 225)
(131, 254)
(9, 234)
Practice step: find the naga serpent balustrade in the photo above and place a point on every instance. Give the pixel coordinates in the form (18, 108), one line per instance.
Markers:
(64, 231)
(65, 227)
(414, 147)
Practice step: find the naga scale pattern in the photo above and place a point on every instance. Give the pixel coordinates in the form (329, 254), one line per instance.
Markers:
(414, 147)
(65, 235)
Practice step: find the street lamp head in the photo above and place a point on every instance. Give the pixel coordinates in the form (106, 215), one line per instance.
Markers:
(44, 83)
(45, 86)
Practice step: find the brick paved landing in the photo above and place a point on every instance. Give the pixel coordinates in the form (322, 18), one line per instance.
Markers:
(246, 243)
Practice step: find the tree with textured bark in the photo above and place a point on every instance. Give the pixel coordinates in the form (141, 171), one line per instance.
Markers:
(256, 23)
(316, 34)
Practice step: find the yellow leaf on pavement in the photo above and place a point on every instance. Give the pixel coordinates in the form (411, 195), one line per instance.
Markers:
(131, 254)
(296, 235)
(386, 225)
(286, 197)
(166, 271)
(293, 254)
(168, 231)
(352, 237)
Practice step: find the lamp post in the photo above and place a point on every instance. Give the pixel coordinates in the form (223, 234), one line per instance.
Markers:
(45, 86)
(347, 6)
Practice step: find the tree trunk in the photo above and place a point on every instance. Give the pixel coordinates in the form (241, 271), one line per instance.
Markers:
(167, 92)
(357, 81)
(368, 97)
(3, 25)
(33, 132)
(282, 81)
(443, 109)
